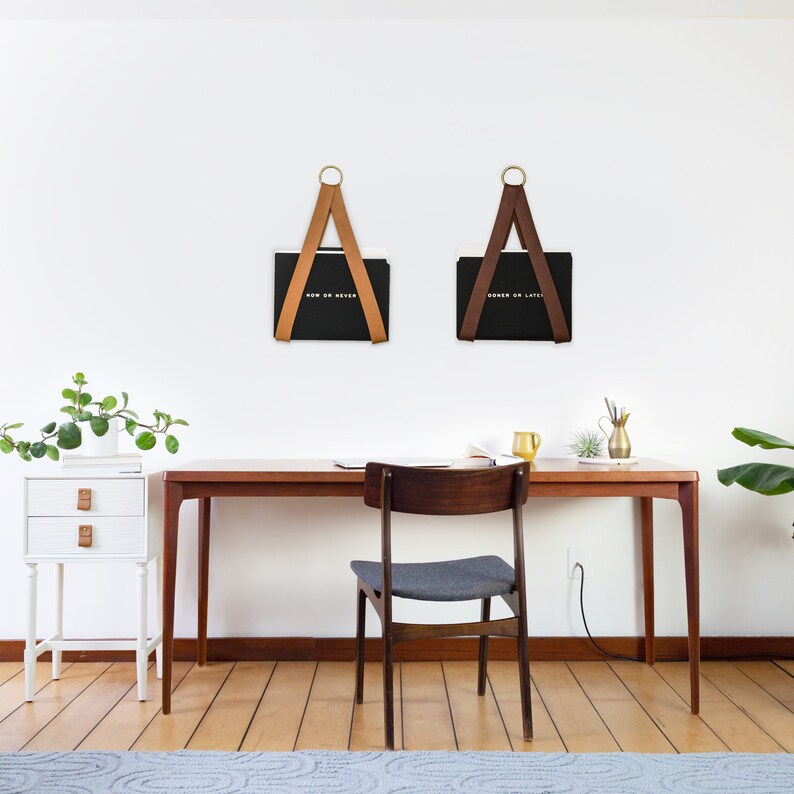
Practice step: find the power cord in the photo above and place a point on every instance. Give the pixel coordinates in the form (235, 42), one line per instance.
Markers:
(587, 629)
(639, 659)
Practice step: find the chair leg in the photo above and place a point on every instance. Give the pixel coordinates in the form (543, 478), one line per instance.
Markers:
(523, 676)
(360, 626)
(388, 687)
(482, 671)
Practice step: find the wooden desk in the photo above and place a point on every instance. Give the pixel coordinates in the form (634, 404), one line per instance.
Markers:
(646, 481)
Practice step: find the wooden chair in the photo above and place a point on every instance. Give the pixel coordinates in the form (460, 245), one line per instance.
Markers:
(402, 489)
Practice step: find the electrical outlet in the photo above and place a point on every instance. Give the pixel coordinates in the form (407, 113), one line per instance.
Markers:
(575, 556)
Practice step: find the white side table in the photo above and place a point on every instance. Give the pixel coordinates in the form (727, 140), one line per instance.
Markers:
(96, 518)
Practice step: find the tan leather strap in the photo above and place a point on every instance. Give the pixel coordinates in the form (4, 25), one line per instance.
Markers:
(330, 202)
(514, 209)
(83, 498)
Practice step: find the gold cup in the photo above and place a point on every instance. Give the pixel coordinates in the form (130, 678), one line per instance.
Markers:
(526, 444)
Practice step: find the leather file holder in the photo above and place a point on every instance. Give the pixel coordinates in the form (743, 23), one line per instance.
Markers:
(475, 320)
(85, 535)
(83, 498)
(330, 203)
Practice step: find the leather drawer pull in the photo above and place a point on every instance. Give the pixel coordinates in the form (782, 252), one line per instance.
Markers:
(85, 535)
(83, 498)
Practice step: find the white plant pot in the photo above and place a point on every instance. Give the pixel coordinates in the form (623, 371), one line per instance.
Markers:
(99, 446)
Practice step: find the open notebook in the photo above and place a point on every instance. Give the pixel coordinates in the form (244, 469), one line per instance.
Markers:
(361, 463)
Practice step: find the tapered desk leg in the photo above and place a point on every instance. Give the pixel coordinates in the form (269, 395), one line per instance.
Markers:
(204, 506)
(688, 499)
(172, 492)
(646, 516)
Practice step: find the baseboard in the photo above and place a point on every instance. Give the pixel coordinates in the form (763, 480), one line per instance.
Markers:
(464, 649)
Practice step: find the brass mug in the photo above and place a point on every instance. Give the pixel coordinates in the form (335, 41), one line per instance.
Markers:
(619, 445)
(526, 444)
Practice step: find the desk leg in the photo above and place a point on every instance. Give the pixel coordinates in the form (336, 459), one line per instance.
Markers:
(646, 516)
(204, 506)
(172, 494)
(688, 499)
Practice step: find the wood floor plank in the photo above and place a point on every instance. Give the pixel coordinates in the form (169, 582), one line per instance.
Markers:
(627, 721)
(80, 717)
(23, 724)
(12, 692)
(127, 720)
(579, 724)
(191, 700)
(723, 716)
(227, 720)
(478, 723)
(9, 670)
(278, 718)
(758, 704)
(326, 723)
(770, 677)
(786, 664)
(427, 724)
(367, 730)
(503, 678)
(687, 733)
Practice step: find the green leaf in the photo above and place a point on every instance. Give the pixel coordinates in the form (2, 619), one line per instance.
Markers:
(79, 379)
(52, 452)
(68, 409)
(769, 479)
(125, 398)
(69, 394)
(99, 425)
(48, 428)
(85, 398)
(130, 425)
(5, 446)
(38, 450)
(69, 436)
(758, 438)
(172, 444)
(24, 455)
(180, 422)
(145, 440)
(83, 416)
(14, 426)
(130, 413)
(109, 403)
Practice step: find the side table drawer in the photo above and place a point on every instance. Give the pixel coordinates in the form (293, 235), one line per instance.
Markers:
(57, 537)
(118, 497)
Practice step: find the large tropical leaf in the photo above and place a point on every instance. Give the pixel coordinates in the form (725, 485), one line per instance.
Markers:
(757, 438)
(764, 478)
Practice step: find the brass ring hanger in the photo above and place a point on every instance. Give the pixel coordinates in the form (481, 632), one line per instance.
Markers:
(515, 168)
(326, 168)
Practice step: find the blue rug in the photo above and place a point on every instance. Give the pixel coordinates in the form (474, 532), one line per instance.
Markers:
(377, 773)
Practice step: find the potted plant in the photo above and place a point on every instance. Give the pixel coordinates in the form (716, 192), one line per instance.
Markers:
(98, 417)
(769, 479)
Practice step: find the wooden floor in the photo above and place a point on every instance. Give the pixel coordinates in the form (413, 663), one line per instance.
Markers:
(577, 706)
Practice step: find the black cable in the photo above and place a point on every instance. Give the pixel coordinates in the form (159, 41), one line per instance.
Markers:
(586, 628)
(754, 656)
(757, 656)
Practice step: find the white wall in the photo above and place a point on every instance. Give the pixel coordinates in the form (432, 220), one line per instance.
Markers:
(150, 168)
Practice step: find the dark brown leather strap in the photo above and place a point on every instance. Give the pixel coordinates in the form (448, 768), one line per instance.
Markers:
(330, 202)
(514, 209)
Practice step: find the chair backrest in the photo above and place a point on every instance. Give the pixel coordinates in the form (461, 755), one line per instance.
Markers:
(447, 492)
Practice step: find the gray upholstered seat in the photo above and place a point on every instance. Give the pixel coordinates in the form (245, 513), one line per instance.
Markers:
(450, 580)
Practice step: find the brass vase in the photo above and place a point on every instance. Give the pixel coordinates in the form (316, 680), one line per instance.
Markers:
(619, 445)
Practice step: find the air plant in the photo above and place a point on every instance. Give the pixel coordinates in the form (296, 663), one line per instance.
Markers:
(586, 443)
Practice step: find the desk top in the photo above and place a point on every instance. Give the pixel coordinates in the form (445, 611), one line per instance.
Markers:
(547, 470)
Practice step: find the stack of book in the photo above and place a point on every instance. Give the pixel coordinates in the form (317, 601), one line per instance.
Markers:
(102, 466)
